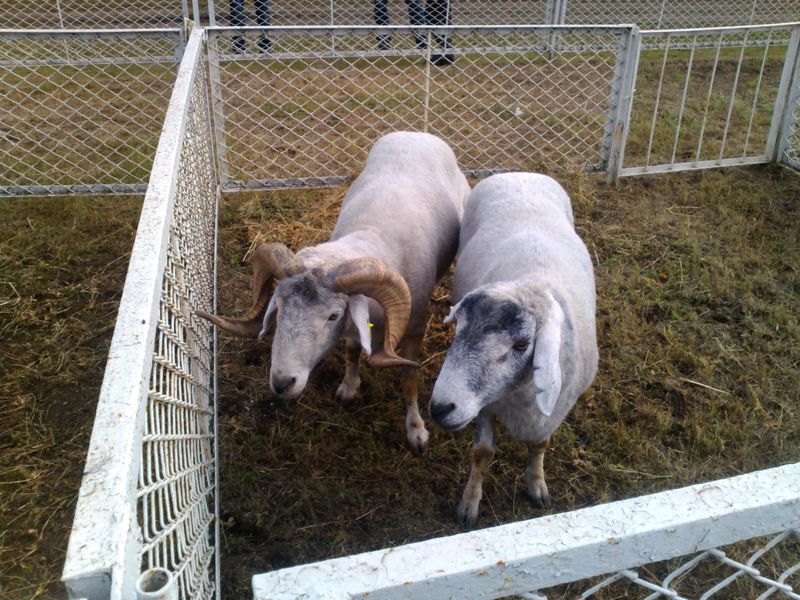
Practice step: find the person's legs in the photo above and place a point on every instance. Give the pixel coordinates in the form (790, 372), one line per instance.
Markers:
(236, 16)
(416, 16)
(262, 19)
(437, 12)
(380, 12)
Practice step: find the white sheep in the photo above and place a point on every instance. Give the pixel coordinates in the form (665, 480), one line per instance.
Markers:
(525, 345)
(396, 235)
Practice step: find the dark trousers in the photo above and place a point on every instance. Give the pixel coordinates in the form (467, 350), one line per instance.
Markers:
(437, 12)
(237, 12)
(380, 12)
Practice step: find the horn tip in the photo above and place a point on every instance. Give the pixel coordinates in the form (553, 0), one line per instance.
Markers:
(384, 359)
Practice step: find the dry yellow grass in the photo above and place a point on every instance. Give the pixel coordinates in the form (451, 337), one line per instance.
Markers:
(697, 304)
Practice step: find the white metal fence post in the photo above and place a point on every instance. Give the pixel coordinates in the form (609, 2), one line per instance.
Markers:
(624, 85)
(786, 105)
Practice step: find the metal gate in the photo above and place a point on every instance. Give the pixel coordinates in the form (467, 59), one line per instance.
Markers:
(722, 98)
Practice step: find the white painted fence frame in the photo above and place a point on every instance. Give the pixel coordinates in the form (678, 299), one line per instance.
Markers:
(516, 558)
(104, 554)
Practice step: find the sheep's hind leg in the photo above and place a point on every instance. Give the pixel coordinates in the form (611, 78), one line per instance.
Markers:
(483, 453)
(534, 474)
(349, 386)
(416, 434)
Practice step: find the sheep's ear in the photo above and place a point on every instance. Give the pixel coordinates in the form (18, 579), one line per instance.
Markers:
(358, 307)
(453, 310)
(269, 316)
(546, 364)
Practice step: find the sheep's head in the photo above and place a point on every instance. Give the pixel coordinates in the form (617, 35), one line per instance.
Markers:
(310, 309)
(309, 319)
(505, 336)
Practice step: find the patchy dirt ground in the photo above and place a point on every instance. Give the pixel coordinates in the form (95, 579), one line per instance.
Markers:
(697, 318)
(698, 304)
(62, 265)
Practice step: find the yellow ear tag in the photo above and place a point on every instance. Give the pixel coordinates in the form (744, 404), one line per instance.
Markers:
(371, 325)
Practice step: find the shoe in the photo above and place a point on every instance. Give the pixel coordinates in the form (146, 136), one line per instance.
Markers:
(384, 42)
(238, 45)
(440, 60)
(265, 44)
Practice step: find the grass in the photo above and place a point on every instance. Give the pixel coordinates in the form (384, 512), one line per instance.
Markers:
(698, 297)
(62, 264)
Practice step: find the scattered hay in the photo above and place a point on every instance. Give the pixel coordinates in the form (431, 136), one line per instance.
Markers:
(698, 304)
(62, 265)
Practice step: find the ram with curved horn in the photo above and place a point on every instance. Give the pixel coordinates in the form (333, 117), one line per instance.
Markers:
(396, 235)
(525, 346)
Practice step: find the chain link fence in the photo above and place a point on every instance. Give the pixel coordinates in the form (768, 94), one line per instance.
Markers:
(301, 106)
(646, 14)
(80, 112)
(156, 412)
(307, 112)
(380, 12)
(92, 14)
(566, 556)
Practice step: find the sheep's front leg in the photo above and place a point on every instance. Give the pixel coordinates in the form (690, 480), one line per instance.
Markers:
(349, 386)
(416, 434)
(483, 453)
(534, 474)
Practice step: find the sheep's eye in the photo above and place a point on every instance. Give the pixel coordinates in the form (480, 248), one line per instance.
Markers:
(520, 345)
(333, 317)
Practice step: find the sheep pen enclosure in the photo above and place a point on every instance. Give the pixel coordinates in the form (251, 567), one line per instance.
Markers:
(698, 289)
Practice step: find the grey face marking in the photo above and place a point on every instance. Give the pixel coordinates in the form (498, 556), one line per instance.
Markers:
(490, 356)
(310, 319)
(494, 329)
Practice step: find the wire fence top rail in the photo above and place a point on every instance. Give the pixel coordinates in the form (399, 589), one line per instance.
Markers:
(540, 553)
(721, 29)
(103, 553)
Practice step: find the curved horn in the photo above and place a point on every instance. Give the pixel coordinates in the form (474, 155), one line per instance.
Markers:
(270, 262)
(373, 277)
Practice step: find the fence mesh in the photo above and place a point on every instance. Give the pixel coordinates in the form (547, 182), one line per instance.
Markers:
(91, 14)
(756, 569)
(647, 14)
(379, 12)
(309, 110)
(705, 99)
(177, 480)
(791, 153)
(682, 14)
(82, 112)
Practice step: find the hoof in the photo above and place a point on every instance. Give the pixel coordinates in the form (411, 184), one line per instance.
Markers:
(347, 391)
(467, 514)
(417, 439)
(537, 493)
